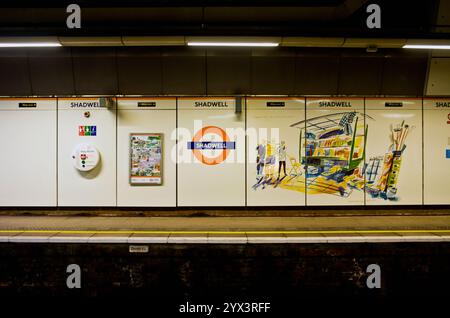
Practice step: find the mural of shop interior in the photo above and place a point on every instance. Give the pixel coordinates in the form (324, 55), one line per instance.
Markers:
(224, 151)
(345, 153)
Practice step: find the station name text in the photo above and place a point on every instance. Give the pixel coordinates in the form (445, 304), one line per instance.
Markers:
(335, 104)
(442, 104)
(210, 104)
(84, 104)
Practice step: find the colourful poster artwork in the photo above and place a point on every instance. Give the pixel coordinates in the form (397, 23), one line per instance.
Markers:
(146, 159)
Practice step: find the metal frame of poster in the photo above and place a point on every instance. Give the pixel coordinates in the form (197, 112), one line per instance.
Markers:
(144, 159)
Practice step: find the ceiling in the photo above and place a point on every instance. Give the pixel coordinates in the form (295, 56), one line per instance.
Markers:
(337, 18)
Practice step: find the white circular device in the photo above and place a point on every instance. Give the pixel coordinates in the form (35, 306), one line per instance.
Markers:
(85, 157)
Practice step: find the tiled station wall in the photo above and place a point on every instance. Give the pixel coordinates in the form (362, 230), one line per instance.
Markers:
(37, 144)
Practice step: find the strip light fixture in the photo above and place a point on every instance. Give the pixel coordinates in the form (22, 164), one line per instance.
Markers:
(29, 44)
(426, 47)
(242, 44)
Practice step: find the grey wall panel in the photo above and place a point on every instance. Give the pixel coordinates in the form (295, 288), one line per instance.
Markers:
(316, 75)
(360, 75)
(139, 71)
(273, 73)
(197, 71)
(228, 72)
(51, 71)
(15, 79)
(438, 77)
(95, 70)
(184, 71)
(404, 76)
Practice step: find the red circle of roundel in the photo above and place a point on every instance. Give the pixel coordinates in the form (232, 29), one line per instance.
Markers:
(198, 153)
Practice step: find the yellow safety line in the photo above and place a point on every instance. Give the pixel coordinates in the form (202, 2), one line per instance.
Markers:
(223, 232)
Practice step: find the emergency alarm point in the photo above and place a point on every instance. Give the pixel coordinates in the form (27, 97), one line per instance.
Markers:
(85, 157)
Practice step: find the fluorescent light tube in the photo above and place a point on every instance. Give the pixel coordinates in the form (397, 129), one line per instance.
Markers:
(29, 44)
(248, 44)
(426, 46)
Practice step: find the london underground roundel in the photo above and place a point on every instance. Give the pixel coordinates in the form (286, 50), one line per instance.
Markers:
(211, 145)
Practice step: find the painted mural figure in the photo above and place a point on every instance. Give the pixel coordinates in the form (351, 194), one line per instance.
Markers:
(269, 163)
(260, 159)
(282, 158)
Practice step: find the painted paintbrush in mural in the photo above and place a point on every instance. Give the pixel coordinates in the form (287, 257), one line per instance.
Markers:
(384, 184)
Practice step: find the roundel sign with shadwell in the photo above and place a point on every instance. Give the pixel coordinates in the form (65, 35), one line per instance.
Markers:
(211, 145)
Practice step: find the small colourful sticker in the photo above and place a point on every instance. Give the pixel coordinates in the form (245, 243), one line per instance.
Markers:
(87, 130)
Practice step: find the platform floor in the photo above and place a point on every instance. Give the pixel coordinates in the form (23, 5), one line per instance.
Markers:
(66, 229)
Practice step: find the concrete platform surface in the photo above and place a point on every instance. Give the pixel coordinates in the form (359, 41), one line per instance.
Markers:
(190, 230)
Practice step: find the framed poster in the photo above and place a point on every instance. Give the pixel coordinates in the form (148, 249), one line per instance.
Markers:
(146, 159)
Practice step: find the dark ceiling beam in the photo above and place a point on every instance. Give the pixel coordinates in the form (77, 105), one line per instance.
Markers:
(347, 8)
(168, 3)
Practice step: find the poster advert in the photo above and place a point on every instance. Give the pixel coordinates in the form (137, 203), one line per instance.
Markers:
(146, 159)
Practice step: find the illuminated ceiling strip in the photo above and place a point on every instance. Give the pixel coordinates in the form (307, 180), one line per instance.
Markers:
(30, 44)
(234, 44)
(427, 47)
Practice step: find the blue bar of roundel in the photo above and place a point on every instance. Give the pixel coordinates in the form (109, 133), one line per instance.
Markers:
(447, 153)
(216, 145)
(230, 145)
